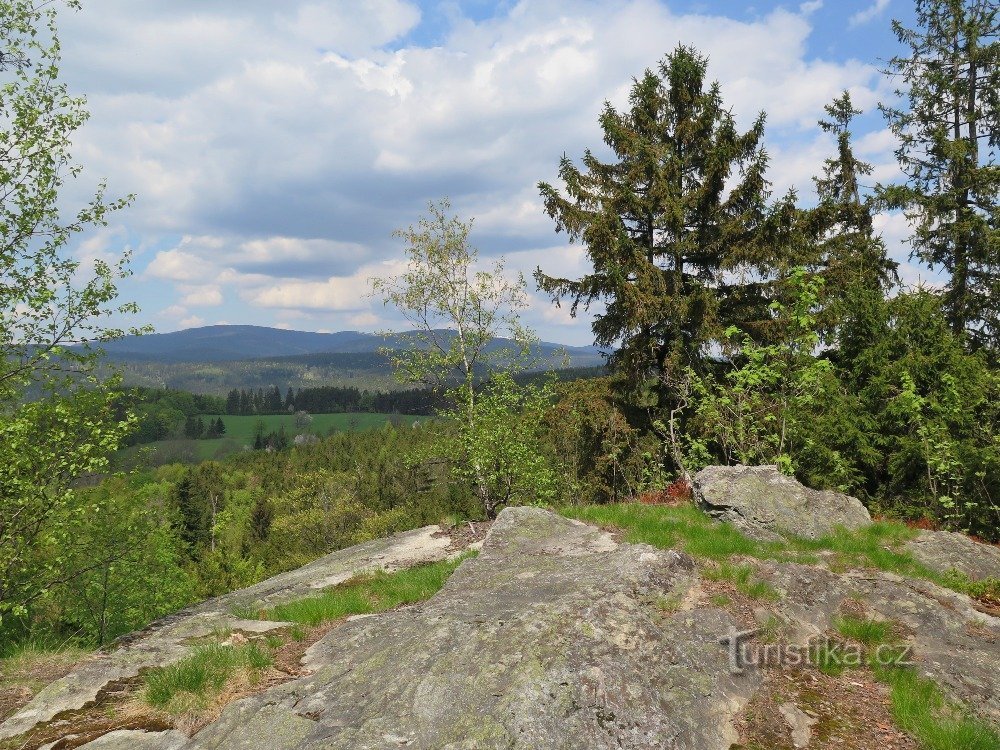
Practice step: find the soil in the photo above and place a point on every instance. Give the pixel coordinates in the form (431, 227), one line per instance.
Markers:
(851, 712)
(17, 688)
(465, 533)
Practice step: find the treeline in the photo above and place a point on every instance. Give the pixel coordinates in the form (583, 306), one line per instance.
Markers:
(163, 413)
(330, 400)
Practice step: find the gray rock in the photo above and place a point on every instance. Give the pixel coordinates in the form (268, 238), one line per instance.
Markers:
(952, 643)
(943, 551)
(127, 739)
(167, 640)
(549, 639)
(765, 504)
(799, 723)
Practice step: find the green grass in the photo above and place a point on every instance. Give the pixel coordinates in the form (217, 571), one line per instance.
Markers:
(240, 431)
(243, 429)
(867, 632)
(193, 679)
(688, 528)
(741, 576)
(919, 708)
(367, 594)
(34, 663)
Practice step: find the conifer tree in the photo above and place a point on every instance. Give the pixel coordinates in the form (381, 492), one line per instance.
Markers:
(848, 255)
(680, 205)
(950, 77)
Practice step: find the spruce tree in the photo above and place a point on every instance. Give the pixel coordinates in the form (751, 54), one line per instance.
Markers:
(950, 77)
(665, 223)
(847, 253)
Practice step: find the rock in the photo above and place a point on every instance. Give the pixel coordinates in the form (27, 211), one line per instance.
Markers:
(799, 723)
(126, 739)
(943, 551)
(168, 639)
(765, 504)
(555, 636)
(950, 641)
(550, 638)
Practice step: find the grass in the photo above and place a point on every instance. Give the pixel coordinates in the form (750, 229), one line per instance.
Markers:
(192, 680)
(866, 632)
(240, 431)
(688, 528)
(367, 594)
(34, 664)
(741, 576)
(919, 708)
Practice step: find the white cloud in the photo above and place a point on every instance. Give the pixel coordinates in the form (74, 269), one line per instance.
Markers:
(870, 13)
(191, 322)
(202, 296)
(283, 143)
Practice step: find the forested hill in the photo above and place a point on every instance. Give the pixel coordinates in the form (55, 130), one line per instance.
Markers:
(237, 342)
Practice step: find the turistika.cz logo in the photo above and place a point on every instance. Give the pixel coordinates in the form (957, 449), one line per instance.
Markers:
(818, 651)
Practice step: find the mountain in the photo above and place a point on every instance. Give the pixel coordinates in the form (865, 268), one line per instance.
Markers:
(224, 343)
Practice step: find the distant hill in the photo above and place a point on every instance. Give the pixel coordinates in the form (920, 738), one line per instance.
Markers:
(224, 343)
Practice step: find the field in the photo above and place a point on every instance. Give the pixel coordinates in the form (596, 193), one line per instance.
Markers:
(240, 433)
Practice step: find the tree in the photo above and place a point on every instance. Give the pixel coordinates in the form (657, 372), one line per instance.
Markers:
(666, 224)
(58, 422)
(950, 77)
(458, 314)
(848, 256)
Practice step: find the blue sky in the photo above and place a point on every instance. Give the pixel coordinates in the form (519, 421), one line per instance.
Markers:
(274, 147)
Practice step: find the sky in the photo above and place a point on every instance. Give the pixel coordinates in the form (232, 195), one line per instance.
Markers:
(274, 147)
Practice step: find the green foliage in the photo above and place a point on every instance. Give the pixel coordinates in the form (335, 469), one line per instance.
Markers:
(678, 208)
(458, 313)
(599, 454)
(376, 592)
(194, 679)
(757, 412)
(949, 76)
(54, 427)
(932, 410)
(125, 538)
(841, 247)
(498, 450)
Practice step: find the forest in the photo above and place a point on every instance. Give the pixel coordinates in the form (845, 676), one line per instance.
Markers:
(744, 327)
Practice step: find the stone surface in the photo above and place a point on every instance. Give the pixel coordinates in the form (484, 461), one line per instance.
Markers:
(765, 504)
(126, 739)
(551, 638)
(555, 636)
(167, 640)
(952, 643)
(943, 551)
(799, 724)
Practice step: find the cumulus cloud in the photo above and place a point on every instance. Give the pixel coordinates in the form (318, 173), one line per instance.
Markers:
(870, 13)
(275, 148)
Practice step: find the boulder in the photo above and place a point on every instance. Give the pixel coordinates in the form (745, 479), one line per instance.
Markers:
(943, 551)
(766, 505)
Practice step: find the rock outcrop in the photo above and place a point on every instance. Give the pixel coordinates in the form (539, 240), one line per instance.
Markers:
(551, 638)
(556, 636)
(169, 639)
(765, 504)
(943, 551)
